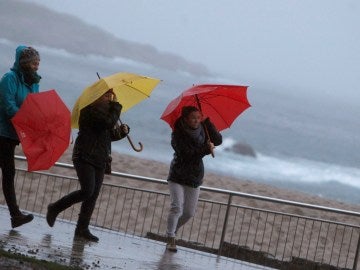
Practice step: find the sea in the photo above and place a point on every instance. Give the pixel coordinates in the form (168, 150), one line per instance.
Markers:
(303, 141)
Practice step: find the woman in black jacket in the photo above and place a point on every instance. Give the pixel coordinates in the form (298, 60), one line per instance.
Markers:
(191, 143)
(91, 153)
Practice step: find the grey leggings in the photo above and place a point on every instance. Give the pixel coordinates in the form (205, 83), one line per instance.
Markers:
(183, 206)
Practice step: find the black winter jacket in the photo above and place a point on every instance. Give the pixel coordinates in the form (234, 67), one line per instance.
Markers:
(93, 143)
(187, 167)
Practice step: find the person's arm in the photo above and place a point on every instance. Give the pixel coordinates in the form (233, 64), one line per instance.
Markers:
(114, 113)
(103, 116)
(215, 136)
(9, 87)
(185, 149)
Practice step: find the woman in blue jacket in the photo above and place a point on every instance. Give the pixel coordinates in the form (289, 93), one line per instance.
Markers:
(15, 85)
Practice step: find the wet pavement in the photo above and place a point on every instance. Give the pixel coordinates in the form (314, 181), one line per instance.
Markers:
(113, 251)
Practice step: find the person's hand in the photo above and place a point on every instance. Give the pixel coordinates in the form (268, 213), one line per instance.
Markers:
(113, 97)
(211, 145)
(115, 106)
(125, 128)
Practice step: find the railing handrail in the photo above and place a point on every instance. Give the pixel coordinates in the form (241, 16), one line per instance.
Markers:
(224, 191)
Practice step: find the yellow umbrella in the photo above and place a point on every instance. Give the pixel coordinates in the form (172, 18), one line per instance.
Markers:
(129, 89)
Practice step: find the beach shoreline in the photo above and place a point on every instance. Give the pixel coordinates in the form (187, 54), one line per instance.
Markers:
(129, 164)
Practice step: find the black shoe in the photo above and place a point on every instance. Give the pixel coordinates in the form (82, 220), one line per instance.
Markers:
(51, 215)
(21, 219)
(86, 235)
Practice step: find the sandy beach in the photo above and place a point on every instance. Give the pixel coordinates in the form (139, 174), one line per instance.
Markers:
(151, 168)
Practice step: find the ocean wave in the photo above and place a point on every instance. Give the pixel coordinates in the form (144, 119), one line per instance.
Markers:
(270, 168)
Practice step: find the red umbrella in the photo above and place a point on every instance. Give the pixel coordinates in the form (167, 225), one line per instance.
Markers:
(43, 126)
(221, 103)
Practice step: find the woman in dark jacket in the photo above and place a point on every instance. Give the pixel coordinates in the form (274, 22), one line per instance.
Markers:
(91, 153)
(191, 143)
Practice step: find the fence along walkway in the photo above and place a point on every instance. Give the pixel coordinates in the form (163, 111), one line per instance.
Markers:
(237, 226)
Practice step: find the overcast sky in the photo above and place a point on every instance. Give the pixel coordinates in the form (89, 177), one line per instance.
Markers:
(312, 44)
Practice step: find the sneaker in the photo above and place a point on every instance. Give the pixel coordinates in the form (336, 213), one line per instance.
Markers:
(51, 215)
(86, 235)
(21, 219)
(171, 245)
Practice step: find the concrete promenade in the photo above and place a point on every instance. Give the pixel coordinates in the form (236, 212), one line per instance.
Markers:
(114, 250)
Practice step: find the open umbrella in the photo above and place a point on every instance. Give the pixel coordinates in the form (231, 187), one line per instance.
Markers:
(129, 88)
(221, 103)
(43, 126)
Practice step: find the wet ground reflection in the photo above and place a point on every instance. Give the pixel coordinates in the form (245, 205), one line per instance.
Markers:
(114, 250)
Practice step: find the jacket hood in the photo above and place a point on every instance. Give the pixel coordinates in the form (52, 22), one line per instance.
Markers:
(19, 50)
(16, 67)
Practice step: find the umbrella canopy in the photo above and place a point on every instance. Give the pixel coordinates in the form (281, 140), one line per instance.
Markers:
(43, 126)
(222, 103)
(129, 89)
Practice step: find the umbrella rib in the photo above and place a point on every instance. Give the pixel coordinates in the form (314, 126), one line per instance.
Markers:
(214, 108)
(61, 138)
(210, 95)
(205, 99)
(137, 90)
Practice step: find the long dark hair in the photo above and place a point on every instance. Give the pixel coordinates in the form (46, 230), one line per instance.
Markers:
(186, 110)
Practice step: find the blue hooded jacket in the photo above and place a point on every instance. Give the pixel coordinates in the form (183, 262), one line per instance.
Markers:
(13, 91)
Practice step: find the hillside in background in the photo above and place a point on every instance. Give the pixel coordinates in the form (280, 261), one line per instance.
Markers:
(30, 23)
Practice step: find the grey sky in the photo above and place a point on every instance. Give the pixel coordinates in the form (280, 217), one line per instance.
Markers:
(297, 44)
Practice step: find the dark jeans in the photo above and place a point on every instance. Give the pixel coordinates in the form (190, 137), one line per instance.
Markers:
(90, 178)
(7, 164)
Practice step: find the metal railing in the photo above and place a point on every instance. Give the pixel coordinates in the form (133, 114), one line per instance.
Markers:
(254, 228)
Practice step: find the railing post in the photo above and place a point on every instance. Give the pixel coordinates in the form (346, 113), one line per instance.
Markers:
(225, 224)
(357, 254)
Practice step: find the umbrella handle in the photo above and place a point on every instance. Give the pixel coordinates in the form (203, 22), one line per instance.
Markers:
(207, 134)
(131, 143)
(127, 136)
(205, 127)
(133, 146)
(212, 151)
